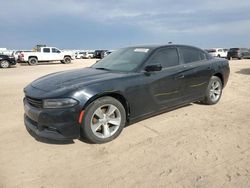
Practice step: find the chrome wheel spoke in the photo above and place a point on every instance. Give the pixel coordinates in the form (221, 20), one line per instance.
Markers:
(115, 121)
(216, 85)
(106, 131)
(213, 96)
(99, 113)
(97, 125)
(217, 92)
(111, 110)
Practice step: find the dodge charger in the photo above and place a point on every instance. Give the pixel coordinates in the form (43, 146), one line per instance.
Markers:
(127, 86)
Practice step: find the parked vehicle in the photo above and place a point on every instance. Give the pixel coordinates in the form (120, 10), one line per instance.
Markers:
(238, 53)
(16, 54)
(6, 61)
(98, 54)
(218, 52)
(84, 55)
(130, 84)
(88, 55)
(105, 53)
(45, 54)
(79, 55)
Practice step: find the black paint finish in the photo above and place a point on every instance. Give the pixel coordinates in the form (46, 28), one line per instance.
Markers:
(142, 93)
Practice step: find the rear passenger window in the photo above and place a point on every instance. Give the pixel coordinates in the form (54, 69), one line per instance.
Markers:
(46, 50)
(192, 55)
(203, 56)
(166, 57)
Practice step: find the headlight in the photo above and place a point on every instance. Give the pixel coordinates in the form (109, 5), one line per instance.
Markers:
(59, 103)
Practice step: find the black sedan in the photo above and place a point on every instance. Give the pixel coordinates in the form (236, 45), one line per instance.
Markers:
(129, 85)
(6, 61)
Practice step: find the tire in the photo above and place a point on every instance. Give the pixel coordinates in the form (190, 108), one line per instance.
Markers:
(32, 61)
(214, 91)
(4, 64)
(66, 60)
(97, 126)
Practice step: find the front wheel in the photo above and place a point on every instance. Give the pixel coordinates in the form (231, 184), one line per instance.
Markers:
(4, 64)
(103, 120)
(214, 91)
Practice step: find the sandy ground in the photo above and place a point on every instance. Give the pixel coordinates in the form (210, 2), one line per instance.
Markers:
(193, 146)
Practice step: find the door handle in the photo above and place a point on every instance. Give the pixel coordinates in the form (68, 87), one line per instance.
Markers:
(180, 76)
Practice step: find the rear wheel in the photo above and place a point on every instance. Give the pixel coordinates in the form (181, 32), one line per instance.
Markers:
(4, 64)
(32, 61)
(214, 91)
(66, 60)
(104, 120)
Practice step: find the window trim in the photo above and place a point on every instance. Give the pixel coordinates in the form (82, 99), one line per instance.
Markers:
(56, 50)
(163, 48)
(48, 51)
(192, 48)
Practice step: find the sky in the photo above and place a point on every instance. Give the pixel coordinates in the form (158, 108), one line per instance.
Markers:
(112, 24)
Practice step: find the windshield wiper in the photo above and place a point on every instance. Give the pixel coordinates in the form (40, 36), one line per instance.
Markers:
(101, 68)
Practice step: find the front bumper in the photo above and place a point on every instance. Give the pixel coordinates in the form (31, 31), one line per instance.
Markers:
(54, 124)
(12, 61)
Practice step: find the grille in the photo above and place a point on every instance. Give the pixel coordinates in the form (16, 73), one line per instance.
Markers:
(34, 102)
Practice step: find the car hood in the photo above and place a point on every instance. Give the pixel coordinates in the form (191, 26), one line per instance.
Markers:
(73, 78)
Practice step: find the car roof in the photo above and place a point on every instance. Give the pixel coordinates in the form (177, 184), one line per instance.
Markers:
(153, 46)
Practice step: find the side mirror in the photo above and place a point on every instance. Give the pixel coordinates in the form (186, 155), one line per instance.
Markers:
(153, 68)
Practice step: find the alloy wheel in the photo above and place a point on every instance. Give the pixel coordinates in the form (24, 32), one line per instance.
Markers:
(5, 64)
(215, 90)
(105, 121)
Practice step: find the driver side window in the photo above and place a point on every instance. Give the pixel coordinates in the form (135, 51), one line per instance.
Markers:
(54, 50)
(167, 57)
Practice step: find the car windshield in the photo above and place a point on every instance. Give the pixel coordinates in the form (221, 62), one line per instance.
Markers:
(124, 60)
(211, 51)
(234, 49)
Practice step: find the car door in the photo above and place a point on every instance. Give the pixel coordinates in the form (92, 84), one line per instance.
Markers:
(165, 86)
(56, 54)
(46, 54)
(197, 72)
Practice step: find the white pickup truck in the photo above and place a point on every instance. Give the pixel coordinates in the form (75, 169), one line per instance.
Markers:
(45, 54)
